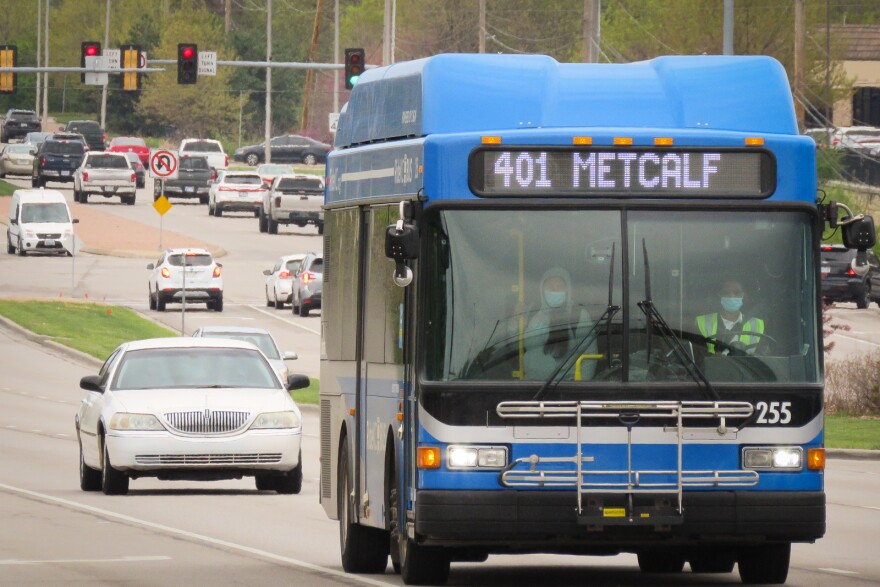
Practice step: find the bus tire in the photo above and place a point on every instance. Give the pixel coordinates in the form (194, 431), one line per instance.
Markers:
(422, 565)
(363, 549)
(660, 560)
(712, 560)
(764, 564)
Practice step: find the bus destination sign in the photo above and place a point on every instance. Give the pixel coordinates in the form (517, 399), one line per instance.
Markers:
(621, 172)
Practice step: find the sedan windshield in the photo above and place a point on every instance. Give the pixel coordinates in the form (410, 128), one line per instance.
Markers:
(55, 212)
(514, 295)
(192, 260)
(262, 341)
(176, 368)
(243, 179)
(107, 162)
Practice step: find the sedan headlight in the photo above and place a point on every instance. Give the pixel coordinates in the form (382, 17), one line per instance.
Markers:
(773, 458)
(460, 456)
(126, 421)
(29, 234)
(276, 420)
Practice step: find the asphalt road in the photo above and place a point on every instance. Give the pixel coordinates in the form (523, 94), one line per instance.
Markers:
(227, 533)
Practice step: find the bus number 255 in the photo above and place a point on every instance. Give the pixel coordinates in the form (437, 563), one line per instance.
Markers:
(773, 412)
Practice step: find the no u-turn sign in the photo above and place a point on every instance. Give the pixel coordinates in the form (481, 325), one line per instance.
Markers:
(163, 164)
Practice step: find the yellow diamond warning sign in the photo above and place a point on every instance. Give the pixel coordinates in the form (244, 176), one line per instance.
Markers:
(162, 205)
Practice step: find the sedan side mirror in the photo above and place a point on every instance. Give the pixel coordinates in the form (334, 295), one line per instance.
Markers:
(290, 356)
(13, 221)
(75, 220)
(151, 266)
(296, 381)
(91, 383)
(267, 272)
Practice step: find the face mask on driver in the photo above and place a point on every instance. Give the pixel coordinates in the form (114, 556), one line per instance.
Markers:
(731, 304)
(554, 299)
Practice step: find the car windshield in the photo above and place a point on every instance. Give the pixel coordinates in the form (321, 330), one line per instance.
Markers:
(87, 127)
(133, 142)
(19, 149)
(107, 162)
(260, 340)
(176, 368)
(838, 255)
(506, 300)
(63, 148)
(317, 266)
(243, 179)
(300, 183)
(203, 147)
(53, 212)
(293, 266)
(192, 260)
(194, 164)
(22, 115)
(133, 157)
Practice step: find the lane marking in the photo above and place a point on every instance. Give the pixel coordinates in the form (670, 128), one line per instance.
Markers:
(270, 556)
(291, 322)
(837, 571)
(852, 338)
(125, 559)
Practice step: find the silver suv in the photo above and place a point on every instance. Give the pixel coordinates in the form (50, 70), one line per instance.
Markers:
(308, 283)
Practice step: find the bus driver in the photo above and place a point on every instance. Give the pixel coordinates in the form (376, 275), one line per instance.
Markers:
(730, 326)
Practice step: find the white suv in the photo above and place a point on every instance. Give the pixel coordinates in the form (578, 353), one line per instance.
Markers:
(192, 273)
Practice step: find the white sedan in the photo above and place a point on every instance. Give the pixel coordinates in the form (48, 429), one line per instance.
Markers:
(199, 409)
(279, 280)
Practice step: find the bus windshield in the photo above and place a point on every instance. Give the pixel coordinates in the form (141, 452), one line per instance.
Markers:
(511, 294)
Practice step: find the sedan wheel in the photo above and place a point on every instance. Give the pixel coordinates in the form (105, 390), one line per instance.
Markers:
(252, 159)
(89, 478)
(21, 250)
(291, 482)
(152, 300)
(113, 482)
(310, 159)
(10, 249)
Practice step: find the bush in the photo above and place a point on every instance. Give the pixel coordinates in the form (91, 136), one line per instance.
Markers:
(853, 386)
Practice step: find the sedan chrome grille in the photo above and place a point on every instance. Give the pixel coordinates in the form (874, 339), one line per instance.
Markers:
(207, 421)
(210, 459)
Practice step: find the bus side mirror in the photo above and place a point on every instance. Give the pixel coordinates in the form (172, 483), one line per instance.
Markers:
(402, 244)
(859, 234)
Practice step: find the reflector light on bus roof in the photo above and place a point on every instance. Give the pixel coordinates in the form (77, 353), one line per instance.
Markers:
(663, 140)
(754, 141)
(491, 140)
(582, 141)
(623, 141)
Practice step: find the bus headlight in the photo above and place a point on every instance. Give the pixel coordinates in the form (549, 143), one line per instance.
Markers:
(773, 458)
(460, 456)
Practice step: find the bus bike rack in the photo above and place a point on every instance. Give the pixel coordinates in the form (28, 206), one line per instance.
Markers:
(659, 484)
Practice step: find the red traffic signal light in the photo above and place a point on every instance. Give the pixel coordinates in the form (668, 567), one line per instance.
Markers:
(187, 63)
(89, 49)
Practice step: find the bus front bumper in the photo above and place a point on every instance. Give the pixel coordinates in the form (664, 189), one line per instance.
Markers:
(523, 520)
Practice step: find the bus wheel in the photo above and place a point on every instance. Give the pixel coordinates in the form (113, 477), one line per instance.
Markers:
(712, 560)
(364, 550)
(764, 564)
(422, 565)
(660, 560)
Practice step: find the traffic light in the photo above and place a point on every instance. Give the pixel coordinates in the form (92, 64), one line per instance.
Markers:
(187, 63)
(89, 49)
(354, 66)
(131, 54)
(8, 58)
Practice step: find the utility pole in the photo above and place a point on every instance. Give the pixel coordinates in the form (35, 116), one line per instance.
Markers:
(310, 73)
(386, 35)
(829, 107)
(799, 62)
(106, 46)
(591, 31)
(45, 116)
(227, 16)
(267, 151)
(482, 28)
(728, 27)
(336, 56)
(39, 48)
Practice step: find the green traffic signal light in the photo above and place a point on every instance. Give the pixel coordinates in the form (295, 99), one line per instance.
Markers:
(354, 66)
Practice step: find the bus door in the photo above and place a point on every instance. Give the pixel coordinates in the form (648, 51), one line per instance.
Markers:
(382, 369)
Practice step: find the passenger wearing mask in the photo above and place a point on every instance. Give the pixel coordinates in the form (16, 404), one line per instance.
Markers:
(730, 326)
(552, 332)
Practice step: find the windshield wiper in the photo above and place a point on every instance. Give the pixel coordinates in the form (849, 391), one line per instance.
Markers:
(589, 337)
(654, 318)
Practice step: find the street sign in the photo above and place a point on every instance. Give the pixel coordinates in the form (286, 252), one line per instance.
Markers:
(207, 63)
(162, 205)
(112, 58)
(96, 79)
(163, 164)
(333, 120)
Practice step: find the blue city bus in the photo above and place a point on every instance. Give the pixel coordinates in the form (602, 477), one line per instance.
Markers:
(574, 308)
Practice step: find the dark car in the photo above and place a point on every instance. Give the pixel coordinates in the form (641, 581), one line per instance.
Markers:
(841, 282)
(286, 149)
(18, 123)
(194, 177)
(95, 136)
(56, 160)
(139, 170)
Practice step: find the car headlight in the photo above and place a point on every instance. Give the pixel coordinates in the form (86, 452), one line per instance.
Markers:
(773, 458)
(460, 456)
(276, 420)
(29, 234)
(126, 421)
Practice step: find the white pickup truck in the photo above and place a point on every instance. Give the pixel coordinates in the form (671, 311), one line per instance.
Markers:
(208, 148)
(293, 199)
(104, 174)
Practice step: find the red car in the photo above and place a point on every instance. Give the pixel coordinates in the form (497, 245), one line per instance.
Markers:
(131, 145)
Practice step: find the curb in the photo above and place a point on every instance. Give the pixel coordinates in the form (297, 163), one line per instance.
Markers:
(47, 341)
(853, 454)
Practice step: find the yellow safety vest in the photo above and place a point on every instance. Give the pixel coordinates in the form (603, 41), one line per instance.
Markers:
(709, 330)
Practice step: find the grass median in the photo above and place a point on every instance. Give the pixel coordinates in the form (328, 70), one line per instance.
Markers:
(7, 189)
(852, 432)
(97, 329)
